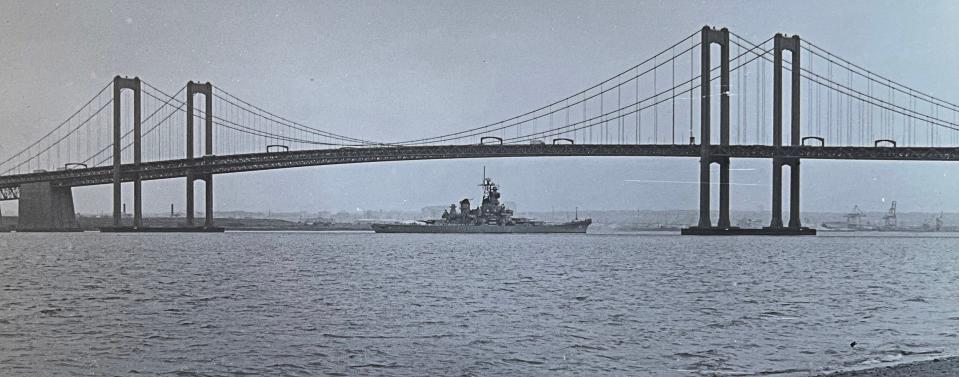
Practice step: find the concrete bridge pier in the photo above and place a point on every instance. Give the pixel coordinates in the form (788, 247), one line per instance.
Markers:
(206, 89)
(208, 202)
(792, 44)
(119, 84)
(777, 209)
(191, 197)
(724, 193)
(45, 207)
(794, 189)
(705, 220)
(794, 221)
(721, 37)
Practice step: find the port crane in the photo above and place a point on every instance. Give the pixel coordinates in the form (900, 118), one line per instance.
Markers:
(889, 220)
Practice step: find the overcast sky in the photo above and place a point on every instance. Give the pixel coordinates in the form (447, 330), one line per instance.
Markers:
(400, 70)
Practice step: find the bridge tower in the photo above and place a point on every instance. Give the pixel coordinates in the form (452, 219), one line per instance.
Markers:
(206, 89)
(721, 37)
(791, 44)
(119, 84)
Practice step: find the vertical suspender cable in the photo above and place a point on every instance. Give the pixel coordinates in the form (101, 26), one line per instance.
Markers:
(829, 103)
(619, 118)
(744, 99)
(636, 107)
(672, 70)
(584, 120)
(655, 102)
(692, 59)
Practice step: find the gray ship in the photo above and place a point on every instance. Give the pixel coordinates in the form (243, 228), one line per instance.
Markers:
(490, 217)
(890, 223)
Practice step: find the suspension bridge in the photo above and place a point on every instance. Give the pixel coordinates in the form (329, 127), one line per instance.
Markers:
(664, 106)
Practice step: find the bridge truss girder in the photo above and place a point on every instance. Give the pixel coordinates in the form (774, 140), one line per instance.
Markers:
(279, 160)
(10, 193)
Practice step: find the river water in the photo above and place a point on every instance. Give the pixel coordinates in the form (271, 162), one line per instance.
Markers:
(393, 304)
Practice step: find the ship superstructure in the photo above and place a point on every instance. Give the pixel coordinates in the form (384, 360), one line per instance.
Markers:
(492, 216)
(490, 212)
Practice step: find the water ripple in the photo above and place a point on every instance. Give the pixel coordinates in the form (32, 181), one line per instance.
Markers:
(406, 305)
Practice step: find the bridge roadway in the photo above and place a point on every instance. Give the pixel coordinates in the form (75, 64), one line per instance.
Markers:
(278, 160)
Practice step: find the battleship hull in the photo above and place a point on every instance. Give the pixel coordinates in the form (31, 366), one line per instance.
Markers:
(570, 227)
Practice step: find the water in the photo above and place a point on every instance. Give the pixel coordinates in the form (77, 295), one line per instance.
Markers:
(373, 304)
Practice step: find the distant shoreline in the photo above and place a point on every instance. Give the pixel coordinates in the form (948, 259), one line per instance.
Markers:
(87, 223)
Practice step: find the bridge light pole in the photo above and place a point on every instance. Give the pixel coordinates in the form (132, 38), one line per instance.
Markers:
(119, 84)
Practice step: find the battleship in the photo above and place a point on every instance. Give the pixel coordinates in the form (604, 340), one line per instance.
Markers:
(490, 217)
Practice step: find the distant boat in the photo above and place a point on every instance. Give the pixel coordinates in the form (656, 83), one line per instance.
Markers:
(490, 217)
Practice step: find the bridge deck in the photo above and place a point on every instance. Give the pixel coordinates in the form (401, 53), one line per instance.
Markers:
(280, 160)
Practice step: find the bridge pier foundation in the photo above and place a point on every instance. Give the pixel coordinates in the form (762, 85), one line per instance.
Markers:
(46, 208)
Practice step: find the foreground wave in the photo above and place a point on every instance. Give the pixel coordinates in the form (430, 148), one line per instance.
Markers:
(948, 367)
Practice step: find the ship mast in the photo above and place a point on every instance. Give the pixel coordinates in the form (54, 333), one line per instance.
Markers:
(487, 184)
(483, 183)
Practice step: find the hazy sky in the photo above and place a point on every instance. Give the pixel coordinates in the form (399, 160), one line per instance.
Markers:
(399, 70)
